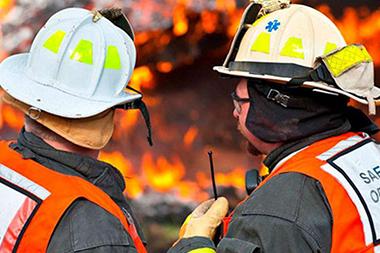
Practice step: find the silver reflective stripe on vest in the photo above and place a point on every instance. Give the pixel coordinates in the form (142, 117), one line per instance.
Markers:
(342, 145)
(20, 198)
(12, 202)
(287, 158)
(21, 181)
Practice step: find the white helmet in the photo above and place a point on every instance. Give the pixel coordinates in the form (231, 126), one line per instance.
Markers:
(78, 66)
(294, 44)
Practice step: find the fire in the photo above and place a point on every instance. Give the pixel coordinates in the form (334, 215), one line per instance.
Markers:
(164, 39)
(119, 161)
(162, 175)
(143, 78)
(192, 190)
(12, 117)
(134, 186)
(157, 170)
(142, 38)
(233, 178)
(209, 21)
(180, 22)
(168, 175)
(5, 7)
(234, 22)
(263, 171)
(226, 5)
(359, 28)
(3, 54)
(125, 121)
(164, 66)
(190, 136)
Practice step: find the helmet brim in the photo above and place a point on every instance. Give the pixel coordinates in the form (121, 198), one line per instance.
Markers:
(15, 81)
(317, 86)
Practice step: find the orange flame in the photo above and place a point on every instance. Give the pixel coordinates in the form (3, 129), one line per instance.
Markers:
(134, 186)
(164, 66)
(234, 178)
(359, 28)
(181, 24)
(3, 54)
(209, 21)
(162, 175)
(5, 7)
(143, 78)
(225, 5)
(191, 190)
(234, 22)
(168, 174)
(125, 122)
(128, 119)
(141, 38)
(190, 136)
(12, 117)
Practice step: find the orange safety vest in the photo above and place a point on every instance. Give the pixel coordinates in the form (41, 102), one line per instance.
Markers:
(348, 167)
(36, 199)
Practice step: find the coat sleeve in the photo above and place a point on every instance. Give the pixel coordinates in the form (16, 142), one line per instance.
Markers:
(193, 245)
(265, 234)
(288, 214)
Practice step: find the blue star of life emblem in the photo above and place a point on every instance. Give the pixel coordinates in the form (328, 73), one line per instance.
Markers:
(273, 25)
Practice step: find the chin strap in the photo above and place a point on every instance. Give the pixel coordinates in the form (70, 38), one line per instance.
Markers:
(145, 113)
(139, 104)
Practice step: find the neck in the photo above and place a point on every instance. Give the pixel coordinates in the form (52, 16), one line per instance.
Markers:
(72, 148)
(269, 147)
(61, 143)
(258, 147)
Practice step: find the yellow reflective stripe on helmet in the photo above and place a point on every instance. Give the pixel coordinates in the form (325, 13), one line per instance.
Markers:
(367, 56)
(202, 250)
(346, 58)
(112, 59)
(330, 47)
(53, 43)
(83, 52)
(293, 48)
(187, 219)
(262, 43)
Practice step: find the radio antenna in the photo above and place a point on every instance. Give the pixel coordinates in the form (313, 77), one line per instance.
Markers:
(213, 175)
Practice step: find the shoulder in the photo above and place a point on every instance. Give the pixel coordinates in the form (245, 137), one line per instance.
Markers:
(86, 226)
(287, 194)
(289, 203)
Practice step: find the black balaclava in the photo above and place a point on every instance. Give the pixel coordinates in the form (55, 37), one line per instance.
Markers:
(307, 112)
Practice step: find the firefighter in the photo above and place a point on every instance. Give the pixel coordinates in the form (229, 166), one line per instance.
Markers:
(56, 195)
(322, 192)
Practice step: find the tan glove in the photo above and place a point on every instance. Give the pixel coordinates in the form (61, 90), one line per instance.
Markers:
(204, 220)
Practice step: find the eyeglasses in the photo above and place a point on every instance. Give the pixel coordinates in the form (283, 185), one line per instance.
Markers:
(238, 101)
